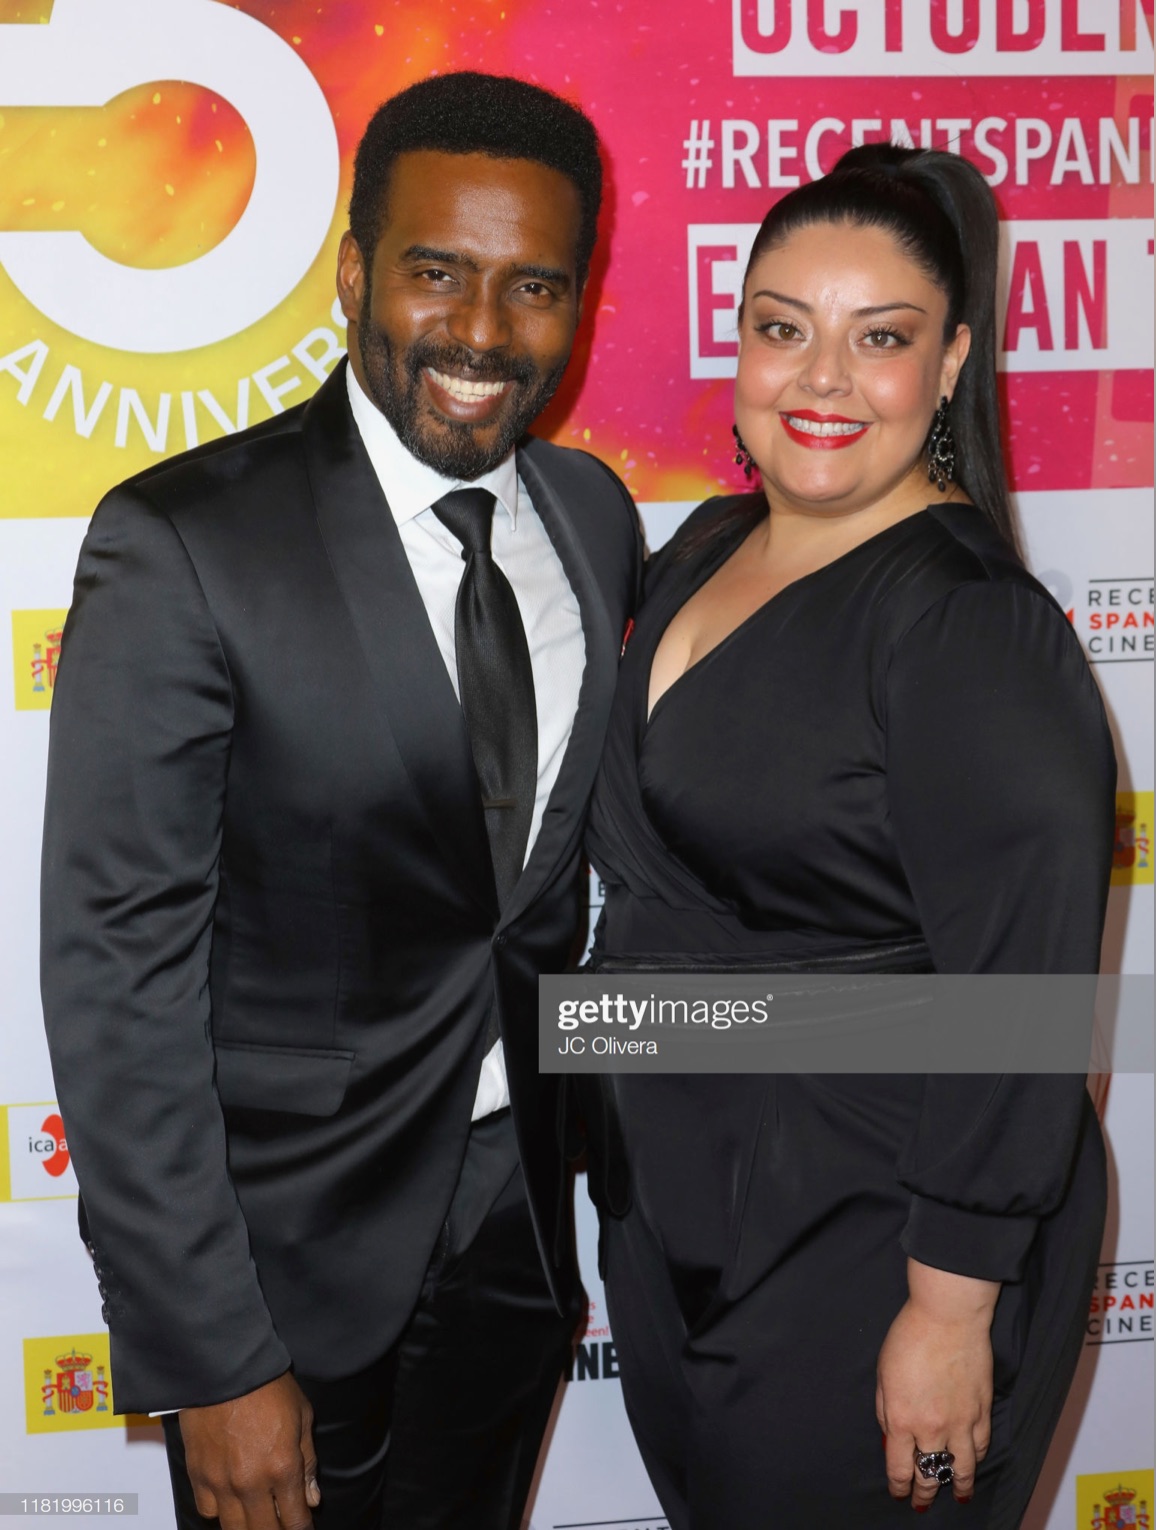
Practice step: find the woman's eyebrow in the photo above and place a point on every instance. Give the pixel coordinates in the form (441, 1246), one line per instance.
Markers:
(860, 313)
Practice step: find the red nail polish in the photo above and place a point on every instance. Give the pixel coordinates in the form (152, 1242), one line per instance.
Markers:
(921, 1508)
(968, 1499)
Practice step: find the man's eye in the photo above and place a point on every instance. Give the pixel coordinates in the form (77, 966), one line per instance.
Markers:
(435, 274)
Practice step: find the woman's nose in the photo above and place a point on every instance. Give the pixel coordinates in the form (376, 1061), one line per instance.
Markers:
(825, 370)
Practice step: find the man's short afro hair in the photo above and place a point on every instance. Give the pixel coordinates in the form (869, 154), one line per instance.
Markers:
(471, 113)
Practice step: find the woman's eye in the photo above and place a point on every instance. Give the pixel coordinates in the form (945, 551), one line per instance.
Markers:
(780, 329)
(883, 339)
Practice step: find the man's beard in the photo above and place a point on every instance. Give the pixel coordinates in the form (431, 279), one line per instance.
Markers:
(452, 447)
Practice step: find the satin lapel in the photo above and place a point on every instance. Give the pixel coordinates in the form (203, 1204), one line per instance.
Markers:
(409, 676)
(567, 802)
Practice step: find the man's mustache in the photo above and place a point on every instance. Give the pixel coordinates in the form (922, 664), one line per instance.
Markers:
(459, 359)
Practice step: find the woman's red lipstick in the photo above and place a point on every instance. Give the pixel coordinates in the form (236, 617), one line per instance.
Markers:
(828, 440)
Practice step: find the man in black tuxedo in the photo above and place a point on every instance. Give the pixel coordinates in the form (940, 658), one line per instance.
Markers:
(331, 700)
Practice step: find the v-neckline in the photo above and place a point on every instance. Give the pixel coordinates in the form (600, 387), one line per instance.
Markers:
(710, 568)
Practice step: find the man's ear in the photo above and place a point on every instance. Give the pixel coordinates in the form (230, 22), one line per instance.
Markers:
(351, 277)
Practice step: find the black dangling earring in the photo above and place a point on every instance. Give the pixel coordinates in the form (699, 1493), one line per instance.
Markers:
(743, 458)
(941, 449)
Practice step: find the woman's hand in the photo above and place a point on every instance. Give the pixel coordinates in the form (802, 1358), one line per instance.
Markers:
(934, 1380)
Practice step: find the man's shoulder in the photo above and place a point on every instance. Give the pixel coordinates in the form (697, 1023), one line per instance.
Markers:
(570, 467)
(216, 465)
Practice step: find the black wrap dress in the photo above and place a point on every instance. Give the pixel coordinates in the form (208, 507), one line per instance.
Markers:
(898, 763)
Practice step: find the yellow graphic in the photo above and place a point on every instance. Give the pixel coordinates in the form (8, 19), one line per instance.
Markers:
(151, 178)
(67, 1385)
(154, 180)
(35, 656)
(1113, 1500)
(1132, 855)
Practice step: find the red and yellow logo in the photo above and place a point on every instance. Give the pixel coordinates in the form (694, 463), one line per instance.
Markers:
(35, 657)
(1114, 1500)
(67, 1386)
(1132, 854)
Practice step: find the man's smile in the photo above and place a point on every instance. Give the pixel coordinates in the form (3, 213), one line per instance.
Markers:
(470, 400)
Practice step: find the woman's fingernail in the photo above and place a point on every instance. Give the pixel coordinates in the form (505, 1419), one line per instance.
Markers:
(968, 1499)
(921, 1508)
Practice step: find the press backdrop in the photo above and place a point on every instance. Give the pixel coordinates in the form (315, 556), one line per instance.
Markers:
(173, 182)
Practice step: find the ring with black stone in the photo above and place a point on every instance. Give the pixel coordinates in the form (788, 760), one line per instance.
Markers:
(935, 1464)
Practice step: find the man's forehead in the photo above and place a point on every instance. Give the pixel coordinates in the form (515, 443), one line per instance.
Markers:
(429, 180)
(436, 202)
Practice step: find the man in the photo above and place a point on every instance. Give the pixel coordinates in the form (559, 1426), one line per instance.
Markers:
(323, 733)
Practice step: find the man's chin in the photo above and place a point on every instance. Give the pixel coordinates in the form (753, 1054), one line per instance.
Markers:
(460, 450)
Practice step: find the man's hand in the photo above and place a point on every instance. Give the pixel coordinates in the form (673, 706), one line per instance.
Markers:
(251, 1461)
(934, 1389)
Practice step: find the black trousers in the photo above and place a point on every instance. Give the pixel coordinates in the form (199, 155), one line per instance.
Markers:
(748, 1307)
(443, 1431)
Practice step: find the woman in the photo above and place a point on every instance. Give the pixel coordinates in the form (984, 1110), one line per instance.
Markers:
(852, 733)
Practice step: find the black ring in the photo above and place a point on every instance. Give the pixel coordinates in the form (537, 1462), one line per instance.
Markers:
(935, 1464)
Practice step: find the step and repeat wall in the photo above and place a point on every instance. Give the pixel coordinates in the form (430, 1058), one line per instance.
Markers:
(173, 183)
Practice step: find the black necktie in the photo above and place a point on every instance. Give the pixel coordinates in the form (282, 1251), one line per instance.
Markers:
(495, 685)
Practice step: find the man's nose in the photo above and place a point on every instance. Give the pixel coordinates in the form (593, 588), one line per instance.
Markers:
(480, 321)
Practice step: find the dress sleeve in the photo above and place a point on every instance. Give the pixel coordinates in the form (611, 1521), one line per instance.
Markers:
(1000, 780)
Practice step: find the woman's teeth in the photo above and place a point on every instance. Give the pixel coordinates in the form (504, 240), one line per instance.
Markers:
(825, 427)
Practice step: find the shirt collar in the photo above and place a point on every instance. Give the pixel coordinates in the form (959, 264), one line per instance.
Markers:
(411, 486)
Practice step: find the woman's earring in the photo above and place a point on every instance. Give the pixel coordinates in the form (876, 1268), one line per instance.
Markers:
(941, 449)
(743, 458)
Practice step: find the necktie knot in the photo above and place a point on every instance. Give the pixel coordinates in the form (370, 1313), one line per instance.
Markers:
(469, 515)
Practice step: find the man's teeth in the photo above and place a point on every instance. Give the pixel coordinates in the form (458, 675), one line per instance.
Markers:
(466, 392)
(825, 427)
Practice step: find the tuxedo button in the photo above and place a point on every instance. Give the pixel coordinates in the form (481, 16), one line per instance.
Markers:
(500, 941)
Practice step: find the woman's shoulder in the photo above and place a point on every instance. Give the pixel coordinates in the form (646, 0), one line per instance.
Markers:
(955, 547)
(981, 552)
(970, 602)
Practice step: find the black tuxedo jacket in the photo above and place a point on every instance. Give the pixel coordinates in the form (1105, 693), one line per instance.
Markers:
(270, 929)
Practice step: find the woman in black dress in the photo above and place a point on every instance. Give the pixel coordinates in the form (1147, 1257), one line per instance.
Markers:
(852, 733)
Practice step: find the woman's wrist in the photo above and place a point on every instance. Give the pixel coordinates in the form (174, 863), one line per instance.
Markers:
(944, 1297)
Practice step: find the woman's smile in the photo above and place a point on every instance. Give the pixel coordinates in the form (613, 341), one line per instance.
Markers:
(823, 432)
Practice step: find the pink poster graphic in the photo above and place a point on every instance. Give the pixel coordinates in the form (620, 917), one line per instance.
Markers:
(709, 112)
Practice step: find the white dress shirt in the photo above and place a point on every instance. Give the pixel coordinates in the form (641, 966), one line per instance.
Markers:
(522, 549)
